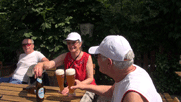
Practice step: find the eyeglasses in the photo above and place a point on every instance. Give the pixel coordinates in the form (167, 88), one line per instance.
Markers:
(28, 44)
(71, 42)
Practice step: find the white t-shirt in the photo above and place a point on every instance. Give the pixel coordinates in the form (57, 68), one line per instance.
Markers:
(25, 61)
(138, 81)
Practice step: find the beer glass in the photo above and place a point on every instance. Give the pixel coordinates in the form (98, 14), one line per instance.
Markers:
(70, 76)
(60, 78)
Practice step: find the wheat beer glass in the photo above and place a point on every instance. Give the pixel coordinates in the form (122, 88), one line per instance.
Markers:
(70, 76)
(60, 78)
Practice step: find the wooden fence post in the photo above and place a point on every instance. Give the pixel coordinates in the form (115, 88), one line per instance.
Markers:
(145, 61)
(152, 61)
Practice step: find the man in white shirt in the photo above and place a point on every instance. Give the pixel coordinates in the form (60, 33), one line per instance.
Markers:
(30, 57)
(132, 83)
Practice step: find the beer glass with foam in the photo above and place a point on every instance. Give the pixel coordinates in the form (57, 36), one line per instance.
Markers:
(60, 78)
(70, 76)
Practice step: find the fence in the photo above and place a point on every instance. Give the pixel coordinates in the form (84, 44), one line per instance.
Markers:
(146, 61)
(6, 70)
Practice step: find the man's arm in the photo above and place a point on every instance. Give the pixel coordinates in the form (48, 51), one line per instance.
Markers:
(102, 90)
(38, 69)
(44, 59)
(133, 97)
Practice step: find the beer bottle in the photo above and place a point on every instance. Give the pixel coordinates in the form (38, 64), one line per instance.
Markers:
(31, 90)
(40, 90)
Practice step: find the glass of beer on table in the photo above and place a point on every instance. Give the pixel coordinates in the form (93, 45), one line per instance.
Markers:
(70, 76)
(60, 78)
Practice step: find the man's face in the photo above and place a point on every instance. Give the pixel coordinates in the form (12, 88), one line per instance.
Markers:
(28, 46)
(102, 64)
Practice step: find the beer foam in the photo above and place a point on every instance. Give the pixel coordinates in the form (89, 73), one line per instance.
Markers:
(59, 72)
(70, 71)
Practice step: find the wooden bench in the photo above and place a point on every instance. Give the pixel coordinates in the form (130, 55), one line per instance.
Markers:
(52, 77)
(180, 60)
(94, 66)
(167, 98)
(6, 70)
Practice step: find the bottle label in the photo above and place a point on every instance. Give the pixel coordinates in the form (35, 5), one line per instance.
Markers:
(41, 93)
(39, 80)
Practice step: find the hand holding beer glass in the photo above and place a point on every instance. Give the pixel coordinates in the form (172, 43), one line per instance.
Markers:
(70, 76)
(60, 78)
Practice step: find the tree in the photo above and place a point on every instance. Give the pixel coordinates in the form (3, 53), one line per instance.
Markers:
(147, 24)
(48, 23)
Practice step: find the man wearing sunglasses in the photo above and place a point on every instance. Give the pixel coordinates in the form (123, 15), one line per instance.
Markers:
(132, 83)
(28, 58)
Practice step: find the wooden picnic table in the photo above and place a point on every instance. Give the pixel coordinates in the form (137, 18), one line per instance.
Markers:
(15, 93)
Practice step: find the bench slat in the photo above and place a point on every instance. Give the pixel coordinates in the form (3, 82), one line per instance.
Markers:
(50, 73)
(176, 99)
(168, 97)
(162, 96)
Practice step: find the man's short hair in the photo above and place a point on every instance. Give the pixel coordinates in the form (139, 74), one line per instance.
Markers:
(30, 39)
(129, 57)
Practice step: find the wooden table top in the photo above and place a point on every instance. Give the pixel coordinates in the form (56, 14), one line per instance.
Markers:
(178, 73)
(15, 93)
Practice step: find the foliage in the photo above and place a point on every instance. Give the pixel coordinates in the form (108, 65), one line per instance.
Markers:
(164, 76)
(143, 22)
(48, 23)
(147, 24)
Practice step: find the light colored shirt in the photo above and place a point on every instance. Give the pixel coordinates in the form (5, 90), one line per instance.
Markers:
(138, 81)
(25, 61)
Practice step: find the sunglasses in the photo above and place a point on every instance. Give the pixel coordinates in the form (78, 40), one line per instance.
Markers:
(28, 44)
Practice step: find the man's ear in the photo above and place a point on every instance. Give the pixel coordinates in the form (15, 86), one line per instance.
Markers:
(33, 46)
(109, 62)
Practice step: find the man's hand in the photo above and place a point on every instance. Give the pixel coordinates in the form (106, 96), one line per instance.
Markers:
(38, 70)
(65, 91)
(79, 85)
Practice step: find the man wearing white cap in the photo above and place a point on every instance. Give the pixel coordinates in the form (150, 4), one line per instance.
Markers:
(132, 83)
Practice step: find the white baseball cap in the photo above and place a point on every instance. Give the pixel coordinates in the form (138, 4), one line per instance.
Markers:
(114, 47)
(74, 36)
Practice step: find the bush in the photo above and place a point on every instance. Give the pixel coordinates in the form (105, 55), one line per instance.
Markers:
(164, 76)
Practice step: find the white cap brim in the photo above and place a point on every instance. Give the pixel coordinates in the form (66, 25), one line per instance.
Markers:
(73, 36)
(71, 39)
(94, 50)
